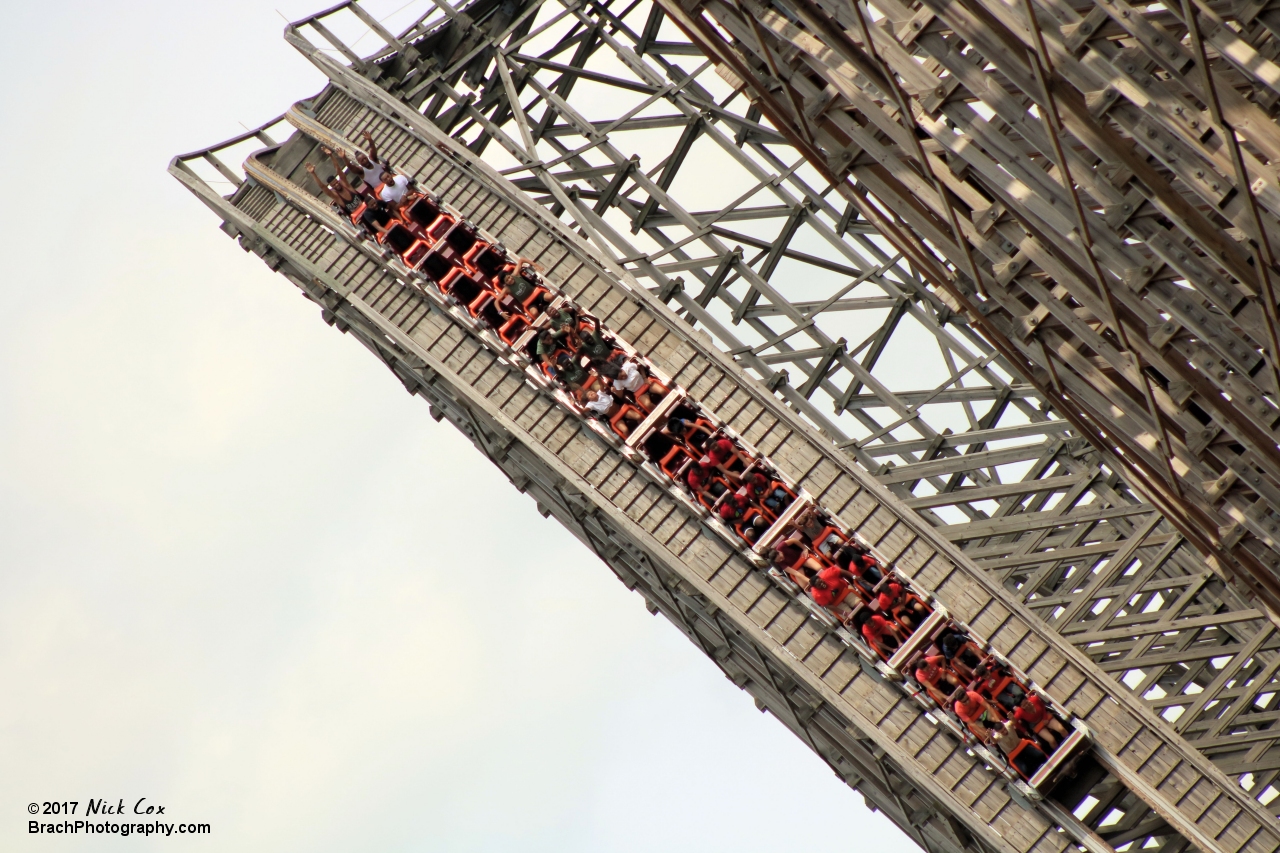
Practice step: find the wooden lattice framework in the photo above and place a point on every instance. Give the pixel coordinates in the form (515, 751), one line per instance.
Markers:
(981, 454)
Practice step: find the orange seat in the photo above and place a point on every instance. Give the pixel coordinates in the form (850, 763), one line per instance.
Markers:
(463, 284)
(441, 225)
(398, 238)
(414, 256)
(849, 622)
(724, 496)
(743, 523)
(548, 361)
(461, 237)
(1016, 752)
(492, 260)
(477, 249)
(912, 598)
(767, 512)
(962, 668)
(827, 532)
(620, 414)
(511, 330)
(674, 460)
(656, 386)
(447, 280)
(703, 436)
(432, 264)
(702, 496)
(423, 212)
(477, 306)
(538, 293)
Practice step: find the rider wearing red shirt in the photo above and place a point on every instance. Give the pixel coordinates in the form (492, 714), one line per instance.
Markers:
(1031, 712)
(977, 712)
(932, 671)
(721, 454)
(880, 634)
(889, 596)
(767, 493)
(855, 558)
(698, 476)
(734, 507)
(929, 669)
(1036, 718)
(829, 587)
(907, 611)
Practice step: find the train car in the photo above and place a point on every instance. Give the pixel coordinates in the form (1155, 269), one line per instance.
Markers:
(900, 633)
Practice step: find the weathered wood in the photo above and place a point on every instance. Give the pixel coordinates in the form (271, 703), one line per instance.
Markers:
(756, 416)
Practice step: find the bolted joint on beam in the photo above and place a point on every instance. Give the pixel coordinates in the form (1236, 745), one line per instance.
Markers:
(671, 289)
(334, 320)
(823, 367)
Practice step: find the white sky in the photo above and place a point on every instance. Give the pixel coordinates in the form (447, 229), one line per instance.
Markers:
(246, 576)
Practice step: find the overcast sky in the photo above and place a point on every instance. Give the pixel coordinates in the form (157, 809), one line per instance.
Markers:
(246, 576)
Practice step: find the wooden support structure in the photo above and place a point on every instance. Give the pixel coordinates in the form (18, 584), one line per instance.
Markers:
(1051, 550)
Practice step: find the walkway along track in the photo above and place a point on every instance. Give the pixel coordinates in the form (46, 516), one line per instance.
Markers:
(427, 348)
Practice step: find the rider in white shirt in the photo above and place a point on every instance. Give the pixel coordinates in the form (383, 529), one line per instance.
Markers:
(599, 402)
(395, 188)
(629, 378)
(370, 165)
(370, 169)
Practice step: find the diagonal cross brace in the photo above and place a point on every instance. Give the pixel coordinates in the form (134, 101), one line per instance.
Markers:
(669, 169)
(772, 260)
(874, 351)
(718, 277)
